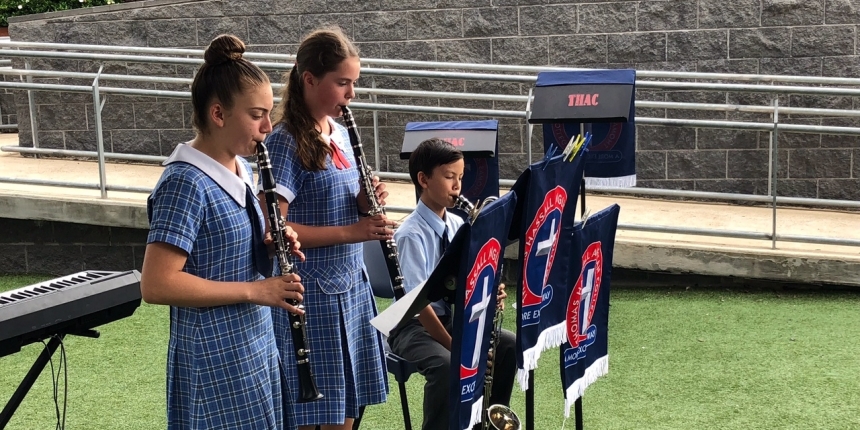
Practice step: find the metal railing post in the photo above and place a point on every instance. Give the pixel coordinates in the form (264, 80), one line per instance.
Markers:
(774, 147)
(31, 101)
(375, 127)
(529, 126)
(98, 104)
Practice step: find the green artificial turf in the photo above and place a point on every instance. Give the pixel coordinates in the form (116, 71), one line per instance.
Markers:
(679, 359)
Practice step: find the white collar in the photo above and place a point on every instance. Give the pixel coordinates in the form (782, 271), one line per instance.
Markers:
(335, 135)
(235, 186)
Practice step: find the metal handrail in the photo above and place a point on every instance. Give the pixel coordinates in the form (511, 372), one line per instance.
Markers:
(656, 85)
(677, 194)
(767, 109)
(102, 57)
(406, 209)
(652, 74)
(284, 62)
(643, 192)
(103, 76)
(83, 154)
(67, 184)
(364, 105)
(737, 234)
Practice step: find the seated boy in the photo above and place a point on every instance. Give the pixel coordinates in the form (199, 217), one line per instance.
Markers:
(436, 169)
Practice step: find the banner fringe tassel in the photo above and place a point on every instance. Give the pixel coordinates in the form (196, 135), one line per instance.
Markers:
(550, 338)
(597, 369)
(477, 412)
(618, 182)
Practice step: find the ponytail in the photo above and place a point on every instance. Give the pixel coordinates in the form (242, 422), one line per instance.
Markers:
(320, 52)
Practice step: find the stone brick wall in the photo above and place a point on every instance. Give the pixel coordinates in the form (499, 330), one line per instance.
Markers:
(8, 105)
(796, 37)
(60, 248)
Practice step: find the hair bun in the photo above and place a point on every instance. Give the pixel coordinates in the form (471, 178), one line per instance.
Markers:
(223, 48)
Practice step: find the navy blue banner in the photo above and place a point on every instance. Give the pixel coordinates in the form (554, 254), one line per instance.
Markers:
(546, 195)
(475, 308)
(487, 124)
(586, 77)
(611, 158)
(585, 354)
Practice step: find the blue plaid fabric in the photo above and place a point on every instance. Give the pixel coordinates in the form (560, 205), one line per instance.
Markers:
(346, 352)
(223, 369)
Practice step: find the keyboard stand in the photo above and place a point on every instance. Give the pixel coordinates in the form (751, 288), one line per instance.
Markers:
(34, 372)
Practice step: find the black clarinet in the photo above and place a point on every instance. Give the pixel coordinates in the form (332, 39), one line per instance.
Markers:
(365, 174)
(307, 387)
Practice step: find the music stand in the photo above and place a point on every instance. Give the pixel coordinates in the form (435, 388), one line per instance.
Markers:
(433, 289)
(582, 97)
(477, 140)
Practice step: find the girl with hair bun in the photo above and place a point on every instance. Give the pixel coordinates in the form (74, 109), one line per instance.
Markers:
(206, 259)
(320, 197)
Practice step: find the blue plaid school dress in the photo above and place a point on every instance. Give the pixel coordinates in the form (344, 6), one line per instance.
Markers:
(346, 351)
(223, 369)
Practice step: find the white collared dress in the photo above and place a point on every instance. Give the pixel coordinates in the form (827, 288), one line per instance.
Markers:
(223, 367)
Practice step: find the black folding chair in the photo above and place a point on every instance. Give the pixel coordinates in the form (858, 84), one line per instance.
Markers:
(374, 260)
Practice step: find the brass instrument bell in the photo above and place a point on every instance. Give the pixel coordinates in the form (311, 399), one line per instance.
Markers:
(502, 418)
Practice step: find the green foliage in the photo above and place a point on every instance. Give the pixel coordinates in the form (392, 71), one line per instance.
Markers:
(26, 7)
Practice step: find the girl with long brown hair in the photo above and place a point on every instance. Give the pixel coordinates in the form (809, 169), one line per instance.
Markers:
(320, 197)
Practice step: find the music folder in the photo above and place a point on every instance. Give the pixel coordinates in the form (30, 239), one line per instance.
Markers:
(440, 285)
(583, 96)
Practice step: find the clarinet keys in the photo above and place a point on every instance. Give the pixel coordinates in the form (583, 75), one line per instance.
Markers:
(365, 176)
(307, 386)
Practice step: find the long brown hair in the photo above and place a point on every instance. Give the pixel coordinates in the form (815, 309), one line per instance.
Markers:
(224, 74)
(320, 52)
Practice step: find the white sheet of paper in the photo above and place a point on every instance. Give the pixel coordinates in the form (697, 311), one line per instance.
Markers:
(410, 305)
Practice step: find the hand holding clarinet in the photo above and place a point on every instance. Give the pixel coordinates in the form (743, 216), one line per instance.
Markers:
(284, 246)
(364, 204)
(374, 206)
(376, 225)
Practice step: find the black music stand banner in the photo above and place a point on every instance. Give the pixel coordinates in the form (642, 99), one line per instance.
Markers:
(475, 307)
(479, 142)
(543, 223)
(585, 353)
(601, 102)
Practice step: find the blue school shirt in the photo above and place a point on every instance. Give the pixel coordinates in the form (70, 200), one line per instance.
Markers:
(222, 361)
(419, 247)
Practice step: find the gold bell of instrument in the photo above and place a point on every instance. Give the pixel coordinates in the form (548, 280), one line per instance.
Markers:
(502, 418)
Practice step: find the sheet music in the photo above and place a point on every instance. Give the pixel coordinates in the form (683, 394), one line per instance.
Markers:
(401, 310)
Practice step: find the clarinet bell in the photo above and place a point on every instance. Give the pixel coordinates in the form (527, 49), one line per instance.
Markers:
(502, 418)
